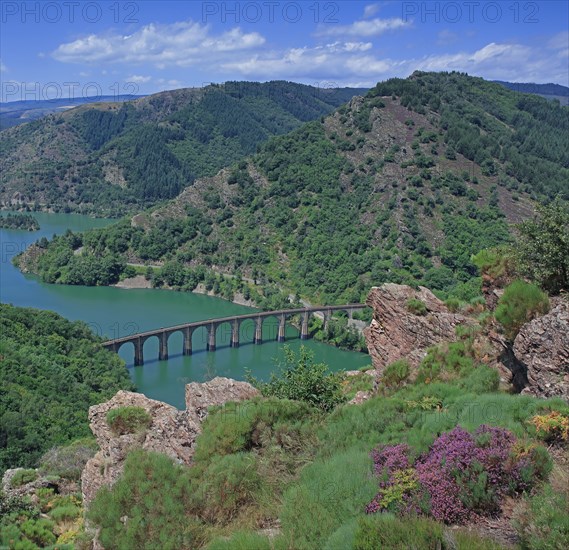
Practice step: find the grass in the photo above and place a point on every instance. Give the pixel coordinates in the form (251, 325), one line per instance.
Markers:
(276, 460)
(128, 420)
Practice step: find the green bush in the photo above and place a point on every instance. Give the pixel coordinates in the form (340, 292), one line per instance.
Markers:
(61, 369)
(388, 531)
(229, 485)
(417, 307)
(396, 374)
(154, 495)
(252, 425)
(241, 541)
(331, 491)
(446, 362)
(68, 461)
(495, 262)
(301, 379)
(520, 303)
(21, 477)
(65, 513)
(464, 540)
(343, 537)
(13, 505)
(39, 532)
(543, 246)
(453, 304)
(544, 523)
(128, 420)
(482, 379)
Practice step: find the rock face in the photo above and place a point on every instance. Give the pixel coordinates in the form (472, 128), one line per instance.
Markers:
(171, 432)
(26, 489)
(395, 332)
(217, 392)
(542, 346)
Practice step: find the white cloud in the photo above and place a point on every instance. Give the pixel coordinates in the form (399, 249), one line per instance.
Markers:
(178, 44)
(560, 41)
(345, 64)
(512, 62)
(338, 60)
(168, 84)
(138, 79)
(361, 29)
(3, 67)
(345, 58)
(370, 10)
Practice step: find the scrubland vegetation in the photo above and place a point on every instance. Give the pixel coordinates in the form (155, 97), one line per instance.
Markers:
(394, 470)
(438, 457)
(19, 221)
(330, 209)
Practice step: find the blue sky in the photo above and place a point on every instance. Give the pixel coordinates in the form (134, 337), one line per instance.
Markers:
(64, 48)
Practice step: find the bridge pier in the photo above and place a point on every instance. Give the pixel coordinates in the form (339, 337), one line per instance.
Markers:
(327, 316)
(235, 334)
(187, 345)
(211, 337)
(282, 329)
(163, 347)
(258, 339)
(138, 352)
(304, 326)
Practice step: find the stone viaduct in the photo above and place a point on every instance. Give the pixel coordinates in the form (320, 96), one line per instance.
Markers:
(234, 322)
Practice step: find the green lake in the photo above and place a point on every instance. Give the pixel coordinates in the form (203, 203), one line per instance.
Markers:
(113, 312)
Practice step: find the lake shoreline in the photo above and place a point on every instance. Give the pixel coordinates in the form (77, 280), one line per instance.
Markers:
(140, 282)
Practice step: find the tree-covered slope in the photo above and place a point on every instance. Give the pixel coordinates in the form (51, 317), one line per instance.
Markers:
(114, 157)
(402, 186)
(548, 91)
(13, 113)
(51, 372)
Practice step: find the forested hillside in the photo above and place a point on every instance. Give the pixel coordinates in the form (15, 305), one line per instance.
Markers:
(52, 371)
(112, 158)
(548, 91)
(13, 113)
(402, 186)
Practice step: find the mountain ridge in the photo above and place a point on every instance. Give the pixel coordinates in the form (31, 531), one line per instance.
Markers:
(402, 185)
(99, 155)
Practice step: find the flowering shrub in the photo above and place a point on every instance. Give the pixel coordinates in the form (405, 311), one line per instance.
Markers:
(461, 476)
(552, 427)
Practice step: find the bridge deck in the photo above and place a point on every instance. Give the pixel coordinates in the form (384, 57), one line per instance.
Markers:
(220, 320)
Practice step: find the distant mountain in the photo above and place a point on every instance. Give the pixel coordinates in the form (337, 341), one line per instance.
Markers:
(111, 158)
(548, 91)
(402, 185)
(13, 113)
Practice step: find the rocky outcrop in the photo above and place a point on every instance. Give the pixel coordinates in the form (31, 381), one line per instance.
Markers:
(217, 392)
(542, 347)
(396, 332)
(171, 432)
(359, 398)
(29, 488)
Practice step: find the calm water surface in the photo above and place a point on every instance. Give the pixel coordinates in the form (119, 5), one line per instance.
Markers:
(113, 312)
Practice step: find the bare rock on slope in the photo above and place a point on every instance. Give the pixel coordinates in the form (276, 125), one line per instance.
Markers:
(216, 392)
(395, 332)
(542, 346)
(171, 432)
